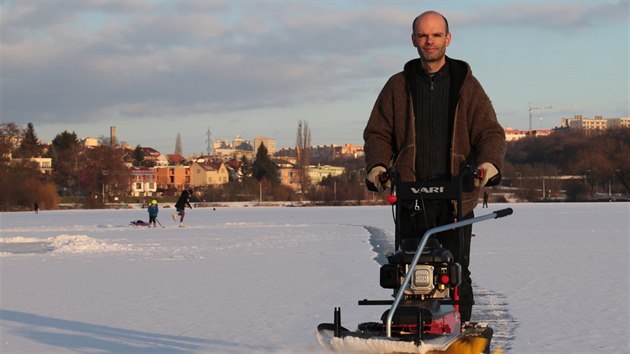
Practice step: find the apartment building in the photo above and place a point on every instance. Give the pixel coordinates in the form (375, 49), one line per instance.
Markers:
(172, 177)
(596, 123)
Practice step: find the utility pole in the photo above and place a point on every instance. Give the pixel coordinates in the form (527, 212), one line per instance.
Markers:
(530, 115)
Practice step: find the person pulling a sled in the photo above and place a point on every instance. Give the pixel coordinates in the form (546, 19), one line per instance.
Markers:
(429, 121)
(180, 206)
(153, 212)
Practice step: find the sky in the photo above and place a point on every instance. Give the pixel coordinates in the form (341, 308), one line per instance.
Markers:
(156, 69)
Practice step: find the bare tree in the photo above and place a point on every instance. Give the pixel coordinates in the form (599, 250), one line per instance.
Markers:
(103, 174)
(9, 133)
(303, 150)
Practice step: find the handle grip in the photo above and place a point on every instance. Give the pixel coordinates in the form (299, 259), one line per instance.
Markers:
(503, 212)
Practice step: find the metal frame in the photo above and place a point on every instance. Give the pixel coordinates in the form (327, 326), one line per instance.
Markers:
(416, 258)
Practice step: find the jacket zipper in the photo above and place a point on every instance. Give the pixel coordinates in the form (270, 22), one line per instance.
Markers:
(431, 129)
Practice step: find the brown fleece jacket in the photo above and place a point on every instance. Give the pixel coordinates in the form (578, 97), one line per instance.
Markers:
(477, 135)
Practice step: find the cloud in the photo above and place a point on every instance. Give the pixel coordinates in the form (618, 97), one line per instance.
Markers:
(566, 17)
(88, 61)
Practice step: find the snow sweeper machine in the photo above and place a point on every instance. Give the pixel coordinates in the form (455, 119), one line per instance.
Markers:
(423, 316)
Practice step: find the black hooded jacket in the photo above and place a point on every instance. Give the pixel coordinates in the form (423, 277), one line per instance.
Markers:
(183, 201)
(434, 99)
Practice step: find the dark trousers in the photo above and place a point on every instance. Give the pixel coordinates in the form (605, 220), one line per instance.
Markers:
(416, 218)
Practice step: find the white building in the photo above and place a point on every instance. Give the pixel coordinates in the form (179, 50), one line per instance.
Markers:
(142, 182)
(317, 173)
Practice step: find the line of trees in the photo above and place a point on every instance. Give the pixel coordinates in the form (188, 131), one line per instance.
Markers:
(568, 165)
(533, 171)
(88, 174)
(21, 183)
(602, 159)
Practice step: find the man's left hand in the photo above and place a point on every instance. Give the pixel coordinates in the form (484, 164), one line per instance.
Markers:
(489, 171)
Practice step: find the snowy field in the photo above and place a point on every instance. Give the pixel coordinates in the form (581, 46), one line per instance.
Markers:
(552, 278)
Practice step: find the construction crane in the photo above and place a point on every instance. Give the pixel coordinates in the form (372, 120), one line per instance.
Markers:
(530, 115)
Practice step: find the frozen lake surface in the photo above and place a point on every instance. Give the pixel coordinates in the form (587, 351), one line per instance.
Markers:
(552, 278)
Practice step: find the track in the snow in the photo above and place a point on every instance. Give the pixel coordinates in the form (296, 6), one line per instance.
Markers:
(490, 306)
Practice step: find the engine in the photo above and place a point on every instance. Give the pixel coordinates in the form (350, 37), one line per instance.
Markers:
(432, 278)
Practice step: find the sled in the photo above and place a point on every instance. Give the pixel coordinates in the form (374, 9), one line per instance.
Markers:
(139, 223)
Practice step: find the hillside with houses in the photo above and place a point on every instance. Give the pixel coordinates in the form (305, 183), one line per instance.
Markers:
(93, 173)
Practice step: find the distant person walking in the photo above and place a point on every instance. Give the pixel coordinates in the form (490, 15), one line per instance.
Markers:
(485, 199)
(180, 206)
(36, 208)
(153, 212)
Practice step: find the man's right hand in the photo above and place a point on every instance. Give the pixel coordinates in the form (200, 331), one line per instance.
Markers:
(373, 179)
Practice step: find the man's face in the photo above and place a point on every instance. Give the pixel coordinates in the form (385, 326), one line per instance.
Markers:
(430, 37)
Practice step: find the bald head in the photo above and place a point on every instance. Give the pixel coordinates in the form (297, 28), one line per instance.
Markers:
(429, 14)
(431, 37)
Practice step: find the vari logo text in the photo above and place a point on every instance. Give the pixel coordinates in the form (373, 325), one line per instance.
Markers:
(427, 190)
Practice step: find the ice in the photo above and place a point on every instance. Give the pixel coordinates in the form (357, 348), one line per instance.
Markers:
(552, 278)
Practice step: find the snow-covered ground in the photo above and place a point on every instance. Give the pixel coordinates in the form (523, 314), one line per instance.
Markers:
(552, 278)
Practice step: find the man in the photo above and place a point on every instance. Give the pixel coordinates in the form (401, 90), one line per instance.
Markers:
(428, 121)
(180, 207)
